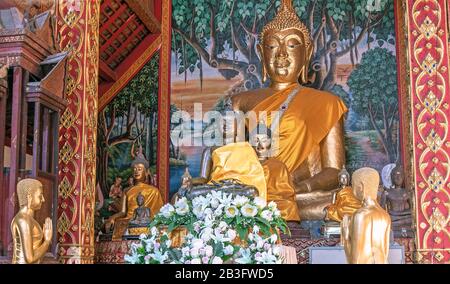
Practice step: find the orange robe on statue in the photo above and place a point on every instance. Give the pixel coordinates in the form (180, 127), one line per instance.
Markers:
(306, 122)
(346, 204)
(280, 189)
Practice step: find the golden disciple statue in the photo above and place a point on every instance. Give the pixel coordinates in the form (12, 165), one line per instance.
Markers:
(151, 195)
(365, 234)
(310, 133)
(344, 203)
(30, 241)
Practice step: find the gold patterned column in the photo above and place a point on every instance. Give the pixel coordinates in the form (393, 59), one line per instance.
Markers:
(78, 27)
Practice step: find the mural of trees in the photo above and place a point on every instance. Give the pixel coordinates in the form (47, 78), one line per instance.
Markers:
(129, 119)
(224, 33)
(373, 85)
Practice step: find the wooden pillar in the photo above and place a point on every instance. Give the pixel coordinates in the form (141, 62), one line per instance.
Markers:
(18, 146)
(428, 62)
(3, 99)
(77, 27)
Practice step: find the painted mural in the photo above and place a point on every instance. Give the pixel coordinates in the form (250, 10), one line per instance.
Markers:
(214, 55)
(126, 126)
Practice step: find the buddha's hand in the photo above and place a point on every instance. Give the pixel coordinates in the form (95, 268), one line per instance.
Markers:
(303, 187)
(48, 230)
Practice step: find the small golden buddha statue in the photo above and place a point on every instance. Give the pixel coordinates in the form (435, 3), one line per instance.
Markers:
(310, 133)
(365, 234)
(344, 203)
(30, 241)
(151, 194)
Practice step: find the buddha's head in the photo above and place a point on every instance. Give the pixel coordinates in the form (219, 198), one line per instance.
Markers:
(397, 176)
(140, 199)
(30, 194)
(140, 166)
(261, 140)
(344, 177)
(365, 182)
(285, 47)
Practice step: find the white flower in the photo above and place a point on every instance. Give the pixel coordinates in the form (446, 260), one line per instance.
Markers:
(272, 205)
(256, 229)
(268, 215)
(133, 258)
(245, 257)
(218, 212)
(223, 226)
(168, 243)
(182, 207)
(197, 243)
(186, 251)
(228, 250)
(217, 260)
(196, 261)
(154, 231)
(142, 236)
(206, 234)
(266, 258)
(231, 211)
(249, 210)
(240, 201)
(231, 234)
(277, 213)
(273, 238)
(194, 252)
(215, 203)
(260, 202)
(260, 244)
(159, 257)
(208, 212)
(167, 210)
(276, 250)
(198, 211)
(208, 251)
(251, 237)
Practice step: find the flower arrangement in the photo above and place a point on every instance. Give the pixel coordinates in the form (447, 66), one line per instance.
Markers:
(220, 228)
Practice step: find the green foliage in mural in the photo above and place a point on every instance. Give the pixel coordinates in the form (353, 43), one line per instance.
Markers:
(224, 34)
(373, 85)
(128, 121)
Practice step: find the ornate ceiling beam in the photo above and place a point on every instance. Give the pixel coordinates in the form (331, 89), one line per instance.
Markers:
(144, 11)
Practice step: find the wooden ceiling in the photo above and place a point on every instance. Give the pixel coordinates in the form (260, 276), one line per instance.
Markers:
(127, 28)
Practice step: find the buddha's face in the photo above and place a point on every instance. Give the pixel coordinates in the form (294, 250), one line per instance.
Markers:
(344, 180)
(262, 143)
(284, 54)
(139, 172)
(36, 198)
(397, 177)
(140, 200)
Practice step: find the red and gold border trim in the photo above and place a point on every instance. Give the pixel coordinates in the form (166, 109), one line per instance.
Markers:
(430, 99)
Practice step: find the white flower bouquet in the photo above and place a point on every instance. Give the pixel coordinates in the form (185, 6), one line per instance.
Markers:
(221, 228)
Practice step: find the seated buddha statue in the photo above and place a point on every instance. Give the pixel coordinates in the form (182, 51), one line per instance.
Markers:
(365, 234)
(344, 202)
(151, 194)
(310, 140)
(30, 240)
(398, 202)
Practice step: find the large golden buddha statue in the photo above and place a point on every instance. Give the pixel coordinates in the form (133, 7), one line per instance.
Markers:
(150, 194)
(30, 240)
(310, 134)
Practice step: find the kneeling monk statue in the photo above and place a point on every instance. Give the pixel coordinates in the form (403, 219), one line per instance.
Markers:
(310, 138)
